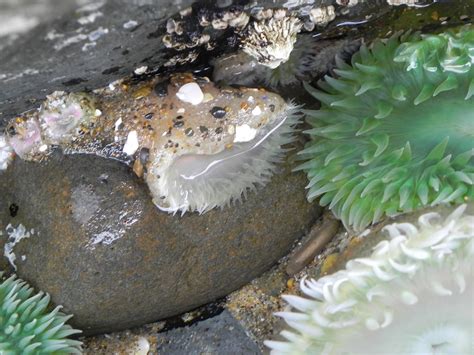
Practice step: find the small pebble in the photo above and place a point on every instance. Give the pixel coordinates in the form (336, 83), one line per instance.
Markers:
(161, 89)
(218, 112)
(191, 93)
(131, 144)
(141, 70)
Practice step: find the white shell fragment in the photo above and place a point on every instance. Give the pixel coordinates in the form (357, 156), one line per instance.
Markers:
(244, 133)
(131, 144)
(191, 93)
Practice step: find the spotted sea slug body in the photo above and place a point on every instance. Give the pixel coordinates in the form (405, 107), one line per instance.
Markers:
(196, 145)
(413, 295)
(395, 129)
(26, 327)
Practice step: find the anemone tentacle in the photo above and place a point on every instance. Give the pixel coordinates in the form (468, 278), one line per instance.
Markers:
(232, 175)
(27, 327)
(413, 295)
(395, 131)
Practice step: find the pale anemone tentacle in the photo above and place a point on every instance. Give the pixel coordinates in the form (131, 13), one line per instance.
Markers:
(395, 128)
(201, 183)
(426, 308)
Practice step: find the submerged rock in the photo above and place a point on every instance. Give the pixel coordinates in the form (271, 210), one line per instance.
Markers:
(110, 257)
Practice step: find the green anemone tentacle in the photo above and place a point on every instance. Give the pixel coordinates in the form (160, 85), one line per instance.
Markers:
(26, 325)
(396, 128)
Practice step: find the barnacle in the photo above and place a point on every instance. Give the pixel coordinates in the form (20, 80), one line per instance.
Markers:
(27, 327)
(271, 41)
(413, 295)
(396, 128)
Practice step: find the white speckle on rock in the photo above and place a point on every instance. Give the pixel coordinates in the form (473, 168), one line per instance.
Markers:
(96, 34)
(141, 70)
(191, 93)
(6, 153)
(84, 20)
(14, 237)
(71, 40)
(402, 2)
(93, 6)
(130, 24)
(244, 133)
(131, 144)
(43, 148)
(89, 45)
(105, 237)
(257, 111)
(118, 123)
(97, 113)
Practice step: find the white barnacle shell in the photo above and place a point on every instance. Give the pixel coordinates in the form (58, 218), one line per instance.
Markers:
(271, 41)
(413, 295)
(24, 136)
(62, 114)
(321, 16)
(217, 150)
(6, 153)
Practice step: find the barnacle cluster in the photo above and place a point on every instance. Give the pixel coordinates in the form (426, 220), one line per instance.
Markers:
(310, 58)
(413, 295)
(395, 129)
(271, 41)
(26, 325)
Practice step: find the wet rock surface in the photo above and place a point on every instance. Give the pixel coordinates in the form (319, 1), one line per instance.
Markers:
(221, 334)
(111, 258)
(86, 49)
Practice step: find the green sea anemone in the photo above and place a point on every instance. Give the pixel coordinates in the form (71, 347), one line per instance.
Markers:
(27, 327)
(413, 295)
(396, 128)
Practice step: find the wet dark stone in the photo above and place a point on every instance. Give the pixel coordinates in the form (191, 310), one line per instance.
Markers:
(221, 334)
(111, 258)
(189, 132)
(54, 57)
(161, 89)
(218, 112)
